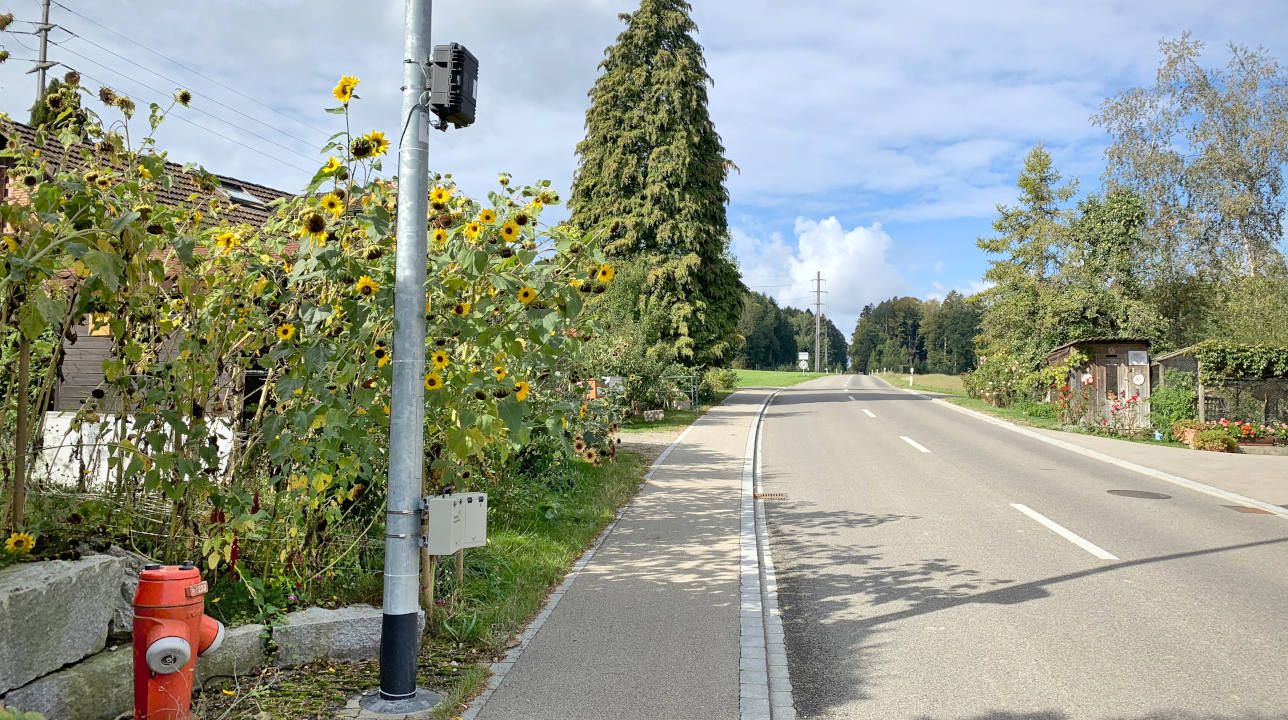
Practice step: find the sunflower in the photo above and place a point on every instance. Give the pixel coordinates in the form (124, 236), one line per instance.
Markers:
(473, 229)
(381, 354)
(527, 295)
(361, 148)
(285, 332)
(461, 309)
(578, 444)
(19, 543)
(487, 216)
(314, 227)
(440, 236)
(440, 195)
(366, 287)
(379, 143)
(521, 390)
(605, 273)
(440, 359)
(343, 90)
(590, 455)
(332, 164)
(499, 372)
(183, 96)
(333, 204)
(226, 241)
(510, 231)
(433, 381)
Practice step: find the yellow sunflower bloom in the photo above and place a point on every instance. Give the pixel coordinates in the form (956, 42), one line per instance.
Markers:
(487, 216)
(379, 143)
(343, 90)
(510, 231)
(333, 204)
(285, 332)
(332, 164)
(605, 273)
(440, 236)
(440, 359)
(527, 295)
(433, 381)
(473, 229)
(461, 309)
(521, 390)
(19, 543)
(226, 241)
(440, 195)
(366, 287)
(313, 226)
(499, 372)
(381, 354)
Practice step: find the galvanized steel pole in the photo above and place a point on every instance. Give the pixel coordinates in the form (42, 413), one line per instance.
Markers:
(400, 635)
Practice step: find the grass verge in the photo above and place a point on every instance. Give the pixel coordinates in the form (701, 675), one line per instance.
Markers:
(505, 584)
(774, 378)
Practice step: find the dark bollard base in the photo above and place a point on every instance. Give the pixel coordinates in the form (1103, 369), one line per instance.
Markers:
(414, 708)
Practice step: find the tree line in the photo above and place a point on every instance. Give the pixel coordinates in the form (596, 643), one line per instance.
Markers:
(935, 336)
(772, 336)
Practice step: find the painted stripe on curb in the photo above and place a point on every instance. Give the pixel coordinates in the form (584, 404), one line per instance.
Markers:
(913, 443)
(1065, 533)
(1194, 485)
(869, 413)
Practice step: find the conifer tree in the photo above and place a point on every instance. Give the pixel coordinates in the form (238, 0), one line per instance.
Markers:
(651, 180)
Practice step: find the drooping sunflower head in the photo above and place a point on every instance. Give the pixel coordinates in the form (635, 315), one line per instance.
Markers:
(487, 216)
(461, 309)
(527, 295)
(510, 231)
(343, 90)
(366, 287)
(361, 148)
(20, 543)
(54, 101)
(605, 273)
(107, 96)
(433, 381)
(440, 359)
(521, 389)
(379, 143)
(286, 332)
(499, 372)
(381, 354)
(314, 227)
(183, 96)
(226, 241)
(333, 204)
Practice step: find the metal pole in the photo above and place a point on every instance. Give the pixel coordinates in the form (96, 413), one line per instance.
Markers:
(42, 62)
(399, 633)
(818, 314)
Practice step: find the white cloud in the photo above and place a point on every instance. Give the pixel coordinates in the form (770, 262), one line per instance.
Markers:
(853, 263)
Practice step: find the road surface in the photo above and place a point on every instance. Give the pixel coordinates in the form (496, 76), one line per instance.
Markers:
(933, 566)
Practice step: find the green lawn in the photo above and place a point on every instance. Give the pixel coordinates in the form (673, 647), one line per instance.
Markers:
(774, 378)
(934, 382)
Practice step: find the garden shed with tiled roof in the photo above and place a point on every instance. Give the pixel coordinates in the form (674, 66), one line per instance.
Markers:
(1115, 375)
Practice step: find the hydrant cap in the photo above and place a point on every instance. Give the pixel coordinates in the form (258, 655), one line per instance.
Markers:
(168, 655)
(169, 586)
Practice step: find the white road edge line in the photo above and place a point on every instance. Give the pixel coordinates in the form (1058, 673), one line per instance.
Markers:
(869, 413)
(913, 443)
(1066, 533)
(1194, 485)
(498, 670)
(764, 688)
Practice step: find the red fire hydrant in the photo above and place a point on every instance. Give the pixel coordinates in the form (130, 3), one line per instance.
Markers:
(171, 629)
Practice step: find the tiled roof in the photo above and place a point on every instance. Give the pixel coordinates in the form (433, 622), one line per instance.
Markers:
(186, 183)
(1101, 339)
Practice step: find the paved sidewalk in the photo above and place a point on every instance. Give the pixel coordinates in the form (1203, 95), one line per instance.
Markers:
(1260, 477)
(650, 627)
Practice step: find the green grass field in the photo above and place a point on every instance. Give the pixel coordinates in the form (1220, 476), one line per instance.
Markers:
(934, 382)
(774, 378)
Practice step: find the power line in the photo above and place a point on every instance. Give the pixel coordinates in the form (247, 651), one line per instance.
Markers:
(192, 70)
(179, 83)
(163, 94)
(180, 118)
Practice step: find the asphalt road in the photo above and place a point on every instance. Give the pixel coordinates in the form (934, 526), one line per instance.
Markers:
(912, 586)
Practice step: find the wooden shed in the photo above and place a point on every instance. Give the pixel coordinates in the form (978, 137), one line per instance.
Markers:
(1256, 397)
(1115, 376)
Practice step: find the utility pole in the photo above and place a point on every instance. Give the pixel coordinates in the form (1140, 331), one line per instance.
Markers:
(818, 315)
(399, 630)
(42, 60)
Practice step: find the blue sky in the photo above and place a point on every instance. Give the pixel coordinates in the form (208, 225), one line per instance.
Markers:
(874, 138)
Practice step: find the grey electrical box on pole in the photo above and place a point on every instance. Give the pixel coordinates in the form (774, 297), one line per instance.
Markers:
(454, 92)
(399, 631)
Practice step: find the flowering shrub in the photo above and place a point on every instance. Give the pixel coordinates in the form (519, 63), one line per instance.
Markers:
(277, 340)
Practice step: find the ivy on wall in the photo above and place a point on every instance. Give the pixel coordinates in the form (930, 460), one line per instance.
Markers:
(1219, 361)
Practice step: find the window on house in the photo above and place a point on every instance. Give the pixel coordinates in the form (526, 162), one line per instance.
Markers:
(239, 194)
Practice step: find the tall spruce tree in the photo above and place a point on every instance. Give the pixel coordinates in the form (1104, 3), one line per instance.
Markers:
(651, 181)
